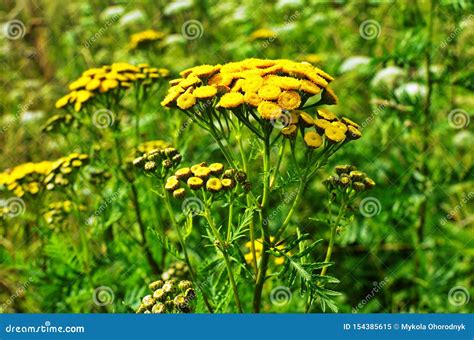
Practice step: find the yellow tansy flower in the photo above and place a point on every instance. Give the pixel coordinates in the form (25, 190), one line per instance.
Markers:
(335, 134)
(269, 110)
(289, 100)
(269, 92)
(230, 100)
(313, 140)
(185, 101)
(205, 92)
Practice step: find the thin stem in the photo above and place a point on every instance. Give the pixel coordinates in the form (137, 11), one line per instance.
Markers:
(265, 228)
(238, 135)
(231, 214)
(293, 208)
(333, 237)
(183, 245)
(222, 248)
(277, 168)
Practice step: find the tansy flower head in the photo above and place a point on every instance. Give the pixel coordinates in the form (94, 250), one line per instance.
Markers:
(231, 100)
(228, 183)
(269, 92)
(204, 92)
(335, 134)
(262, 34)
(289, 100)
(321, 125)
(172, 183)
(214, 184)
(195, 183)
(312, 140)
(289, 131)
(142, 38)
(216, 168)
(326, 114)
(183, 173)
(179, 193)
(269, 110)
(186, 101)
(306, 119)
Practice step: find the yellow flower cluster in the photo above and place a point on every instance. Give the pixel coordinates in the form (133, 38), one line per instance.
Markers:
(31, 178)
(262, 34)
(269, 86)
(108, 78)
(213, 178)
(168, 157)
(56, 121)
(57, 211)
(349, 178)
(324, 126)
(25, 178)
(148, 146)
(63, 169)
(141, 38)
(258, 251)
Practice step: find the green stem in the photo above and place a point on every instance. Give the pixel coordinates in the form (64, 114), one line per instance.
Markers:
(261, 276)
(229, 221)
(277, 168)
(222, 248)
(238, 135)
(183, 245)
(332, 238)
(292, 210)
